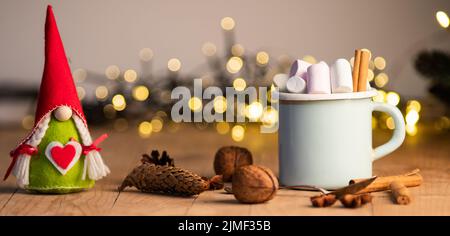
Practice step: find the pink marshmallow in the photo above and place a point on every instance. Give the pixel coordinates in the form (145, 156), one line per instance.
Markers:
(300, 68)
(319, 79)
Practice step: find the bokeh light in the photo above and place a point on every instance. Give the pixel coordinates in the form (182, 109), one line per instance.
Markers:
(112, 72)
(234, 65)
(109, 111)
(145, 129)
(270, 116)
(310, 59)
(411, 130)
(237, 50)
(130, 76)
(227, 23)
(442, 19)
(209, 49)
(220, 104)
(381, 80)
(146, 54)
(28, 122)
(262, 58)
(119, 103)
(380, 63)
(254, 111)
(237, 133)
(392, 98)
(412, 117)
(413, 105)
(81, 92)
(101, 92)
(380, 97)
(239, 84)
(79, 75)
(140, 93)
(174, 64)
(157, 124)
(195, 104)
(370, 75)
(222, 127)
(390, 123)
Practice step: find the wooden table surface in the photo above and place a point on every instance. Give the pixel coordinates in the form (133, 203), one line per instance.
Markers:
(194, 149)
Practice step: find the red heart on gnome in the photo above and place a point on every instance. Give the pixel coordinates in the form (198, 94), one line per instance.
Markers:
(63, 157)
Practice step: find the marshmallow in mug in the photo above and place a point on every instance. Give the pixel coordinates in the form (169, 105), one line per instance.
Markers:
(300, 68)
(280, 81)
(319, 79)
(296, 84)
(341, 76)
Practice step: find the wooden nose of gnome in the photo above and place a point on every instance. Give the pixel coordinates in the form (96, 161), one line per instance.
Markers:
(63, 113)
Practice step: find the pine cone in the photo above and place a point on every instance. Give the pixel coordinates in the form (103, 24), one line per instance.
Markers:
(153, 178)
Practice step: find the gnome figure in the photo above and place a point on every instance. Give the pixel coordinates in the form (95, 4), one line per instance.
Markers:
(59, 155)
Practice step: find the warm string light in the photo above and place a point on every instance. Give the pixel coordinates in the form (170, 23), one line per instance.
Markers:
(130, 76)
(254, 111)
(227, 23)
(234, 65)
(209, 49)
(145, 129)
(81, 92)
(239, 84)
(442, 19)
(222, 127)
(146, 54)
(79, 75)
(195, 104)
(140, 93)
(238, 133)
(101, 92)
(174, 64)
(119, 103)
(237, 50)
(262, 58)
(112, 72)
(220, 104)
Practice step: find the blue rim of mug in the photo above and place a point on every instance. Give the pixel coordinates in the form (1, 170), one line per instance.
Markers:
(319, 97)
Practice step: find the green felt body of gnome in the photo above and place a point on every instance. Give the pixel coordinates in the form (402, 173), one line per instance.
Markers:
(58, 156)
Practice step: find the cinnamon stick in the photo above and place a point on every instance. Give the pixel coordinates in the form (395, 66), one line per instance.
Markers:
(400, 193)
(383, 183)
(355, 74)
(363, 70)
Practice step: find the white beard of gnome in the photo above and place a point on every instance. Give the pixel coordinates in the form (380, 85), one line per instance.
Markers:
(94, 167)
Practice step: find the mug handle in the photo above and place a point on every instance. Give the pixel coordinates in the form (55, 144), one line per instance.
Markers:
(399, 132)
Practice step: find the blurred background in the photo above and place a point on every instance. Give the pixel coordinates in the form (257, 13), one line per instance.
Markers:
(126, 56)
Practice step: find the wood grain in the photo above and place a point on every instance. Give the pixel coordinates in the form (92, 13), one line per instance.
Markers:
(194, 149)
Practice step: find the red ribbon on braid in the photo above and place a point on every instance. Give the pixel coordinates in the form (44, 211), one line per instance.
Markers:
(22, 149)
(93, 146)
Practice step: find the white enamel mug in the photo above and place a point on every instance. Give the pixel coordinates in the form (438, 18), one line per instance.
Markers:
(325, 140)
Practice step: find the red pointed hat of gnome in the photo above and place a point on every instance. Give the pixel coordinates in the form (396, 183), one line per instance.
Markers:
(57, 86)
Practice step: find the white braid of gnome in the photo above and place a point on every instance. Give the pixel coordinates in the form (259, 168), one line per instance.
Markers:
(93, 163)
(22, 167)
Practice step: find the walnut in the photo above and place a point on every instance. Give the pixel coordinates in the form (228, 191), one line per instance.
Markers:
(254, 184)
(229, 158)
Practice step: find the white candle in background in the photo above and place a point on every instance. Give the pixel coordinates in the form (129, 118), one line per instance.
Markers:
(319, 79)
(341, 77)
(295, 84)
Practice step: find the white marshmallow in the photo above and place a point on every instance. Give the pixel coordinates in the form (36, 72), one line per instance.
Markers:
(300, 69)
(280, 81)
(319, 79)
(295, 84)
(341, 77)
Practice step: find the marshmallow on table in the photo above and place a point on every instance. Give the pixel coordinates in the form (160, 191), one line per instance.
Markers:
(341, 77)
(319, 79)
(295, 84)
(280, 81)
(300, 68)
